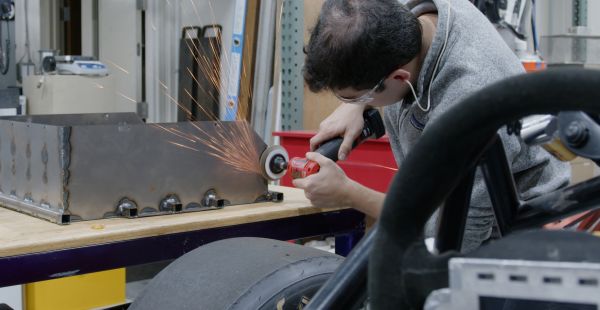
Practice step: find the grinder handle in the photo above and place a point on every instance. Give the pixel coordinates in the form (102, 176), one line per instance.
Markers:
(331, 148)
(373, 128)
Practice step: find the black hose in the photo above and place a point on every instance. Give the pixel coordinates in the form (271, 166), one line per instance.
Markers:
(401, 272)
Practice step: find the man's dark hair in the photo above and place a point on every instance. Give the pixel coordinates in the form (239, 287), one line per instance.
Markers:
(358, 42)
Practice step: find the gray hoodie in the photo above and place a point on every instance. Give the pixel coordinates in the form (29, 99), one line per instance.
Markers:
(475, 56)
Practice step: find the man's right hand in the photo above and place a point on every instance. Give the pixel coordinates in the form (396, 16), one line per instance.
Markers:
(347, 122)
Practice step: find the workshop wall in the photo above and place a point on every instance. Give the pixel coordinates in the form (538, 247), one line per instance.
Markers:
(215, 12)
(556, 18)
(164, 21)
(42, 28)
(316, 106)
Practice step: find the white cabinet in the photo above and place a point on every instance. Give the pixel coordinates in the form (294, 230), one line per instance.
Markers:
(72, 94)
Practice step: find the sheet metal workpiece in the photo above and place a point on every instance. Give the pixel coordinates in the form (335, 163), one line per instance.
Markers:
(83, 167)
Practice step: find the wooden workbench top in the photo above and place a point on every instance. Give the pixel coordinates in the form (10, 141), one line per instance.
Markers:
(23, 234)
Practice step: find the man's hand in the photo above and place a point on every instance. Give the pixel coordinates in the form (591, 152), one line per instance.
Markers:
(346, 121)
(329, 188)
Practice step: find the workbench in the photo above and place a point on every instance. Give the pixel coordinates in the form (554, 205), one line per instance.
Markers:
(32, 249)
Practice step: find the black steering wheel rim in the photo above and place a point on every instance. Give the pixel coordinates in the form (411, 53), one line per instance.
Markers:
(401, 271)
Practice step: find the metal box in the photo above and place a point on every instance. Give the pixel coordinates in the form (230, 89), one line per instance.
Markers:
(91, 166)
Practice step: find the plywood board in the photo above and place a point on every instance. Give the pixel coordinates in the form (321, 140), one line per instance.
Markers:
(248, 60)
(23, 234)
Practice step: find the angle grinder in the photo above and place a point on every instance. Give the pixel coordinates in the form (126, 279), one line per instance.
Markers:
(275, 163)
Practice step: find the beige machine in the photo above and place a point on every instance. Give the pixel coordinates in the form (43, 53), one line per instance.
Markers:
(71, 94)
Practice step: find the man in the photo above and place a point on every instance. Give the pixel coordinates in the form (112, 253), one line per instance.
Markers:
(416, 65)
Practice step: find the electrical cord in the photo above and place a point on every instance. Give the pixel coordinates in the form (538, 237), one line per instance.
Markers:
(437, 63)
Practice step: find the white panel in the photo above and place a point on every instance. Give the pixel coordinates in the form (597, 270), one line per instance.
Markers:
(87, 28)
(162, 48)
(33, 13)
(554, 17)
(51, 27)
(594, 16)
(119, 29)
(12, 296)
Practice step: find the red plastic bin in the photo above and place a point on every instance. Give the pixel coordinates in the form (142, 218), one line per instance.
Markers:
(372, 163)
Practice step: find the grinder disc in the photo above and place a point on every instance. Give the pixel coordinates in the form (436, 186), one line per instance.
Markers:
(267, 157)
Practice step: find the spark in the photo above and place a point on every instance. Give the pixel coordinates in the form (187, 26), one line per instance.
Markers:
(183, 146)
(211, 70)
(232, 143)
(196, 10)
(185, 135)
(117, 66)
(163, 85)
(174, 132)
(199, 86)
(218, 38)
(381, 166)
(126, 97)
(214, 22)
(209, 113)
(187, 112)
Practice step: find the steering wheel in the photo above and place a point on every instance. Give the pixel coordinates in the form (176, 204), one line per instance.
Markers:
(401, 271)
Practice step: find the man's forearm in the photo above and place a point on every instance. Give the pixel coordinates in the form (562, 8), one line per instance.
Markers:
(365, 199)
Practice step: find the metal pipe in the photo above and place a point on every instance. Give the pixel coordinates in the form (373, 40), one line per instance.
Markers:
(559, 204)
(533, 129)
(347, 287)
(453, 216)
(501, 185)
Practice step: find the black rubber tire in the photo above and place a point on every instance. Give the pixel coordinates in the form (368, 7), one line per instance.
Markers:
(240, 273)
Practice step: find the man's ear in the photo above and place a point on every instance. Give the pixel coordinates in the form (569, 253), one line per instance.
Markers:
(400, 74)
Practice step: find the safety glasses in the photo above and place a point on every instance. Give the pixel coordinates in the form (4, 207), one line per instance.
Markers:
(363, 99)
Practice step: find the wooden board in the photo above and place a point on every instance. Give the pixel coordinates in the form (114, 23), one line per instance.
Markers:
(23, 234)
(248, 60)
(317, 106)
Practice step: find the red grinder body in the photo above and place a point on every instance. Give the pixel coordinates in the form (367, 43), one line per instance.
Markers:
(299, 167)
